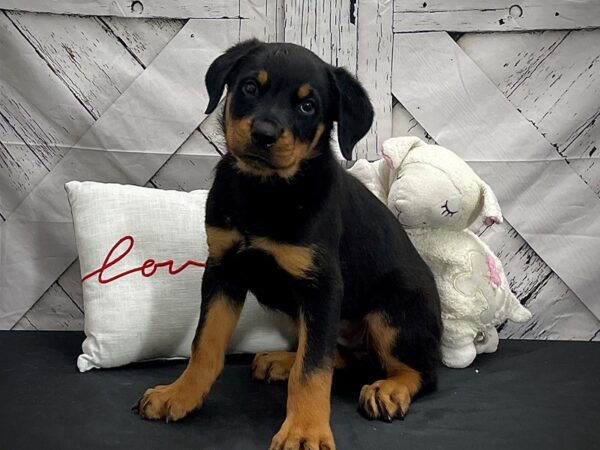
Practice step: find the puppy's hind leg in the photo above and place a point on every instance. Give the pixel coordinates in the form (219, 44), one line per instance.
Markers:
(405, 332)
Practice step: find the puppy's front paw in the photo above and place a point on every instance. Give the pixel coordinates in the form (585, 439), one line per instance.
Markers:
(385, 400)
(170, 402)
(273, 366)
(294, 435)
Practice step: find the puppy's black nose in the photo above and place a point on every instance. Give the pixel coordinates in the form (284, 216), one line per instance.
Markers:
(264, 133)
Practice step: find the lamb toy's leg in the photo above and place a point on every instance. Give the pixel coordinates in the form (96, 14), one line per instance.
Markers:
(458, 357)
(488, 342)
(458, 349)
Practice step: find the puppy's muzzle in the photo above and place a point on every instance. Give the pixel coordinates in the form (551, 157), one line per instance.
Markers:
(264, 133)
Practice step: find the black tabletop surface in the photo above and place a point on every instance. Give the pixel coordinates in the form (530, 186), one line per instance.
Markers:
(528, 395)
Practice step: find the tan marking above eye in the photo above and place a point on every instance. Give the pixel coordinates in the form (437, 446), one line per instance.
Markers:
(262, 77)
(304, 90)
(296, 260)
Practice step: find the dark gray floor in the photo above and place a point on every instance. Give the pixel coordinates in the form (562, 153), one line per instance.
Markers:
(529, 395)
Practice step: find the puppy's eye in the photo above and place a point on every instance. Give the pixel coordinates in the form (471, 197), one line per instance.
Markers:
(250, 88)
(307, 107)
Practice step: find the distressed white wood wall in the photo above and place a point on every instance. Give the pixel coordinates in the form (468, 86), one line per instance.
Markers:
(67, 69)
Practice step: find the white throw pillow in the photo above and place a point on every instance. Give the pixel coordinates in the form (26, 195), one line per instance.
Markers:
(141, 253)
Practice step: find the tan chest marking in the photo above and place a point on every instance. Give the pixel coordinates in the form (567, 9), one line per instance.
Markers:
(296, 260)
(221, 240)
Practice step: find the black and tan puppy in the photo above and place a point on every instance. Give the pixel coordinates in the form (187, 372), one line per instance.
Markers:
(286, 222)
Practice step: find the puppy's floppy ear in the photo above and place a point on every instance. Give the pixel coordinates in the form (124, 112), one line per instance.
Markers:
(218, 72)
(354, 110)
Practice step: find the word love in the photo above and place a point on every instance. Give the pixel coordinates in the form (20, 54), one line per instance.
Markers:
(120, 250)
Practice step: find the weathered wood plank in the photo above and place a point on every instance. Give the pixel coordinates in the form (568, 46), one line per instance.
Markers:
(176, 9)
(524, 269)
(40, 117)
(141, 129)
(517, 54)
(54, 311)
(494, 15)
(212, 130)
(24, 325)
(74, 51)
(374, 65)
(190, 168)
(404, 124)
(487, 128)
(70, 282)
(82, 52)
(262, 19)
(554, 81)
(144, 38)
(185, 170)
(95, 68)
(20, 169)
(557, 315)
(326, 27)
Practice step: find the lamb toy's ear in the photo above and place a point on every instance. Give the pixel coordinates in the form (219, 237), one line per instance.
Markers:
(395, 149)
(490, 210)
(374, 175)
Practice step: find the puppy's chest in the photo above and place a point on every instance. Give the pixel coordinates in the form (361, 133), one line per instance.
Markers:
(230, 244)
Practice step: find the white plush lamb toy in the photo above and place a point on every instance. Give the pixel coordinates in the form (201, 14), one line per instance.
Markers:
(436, 196)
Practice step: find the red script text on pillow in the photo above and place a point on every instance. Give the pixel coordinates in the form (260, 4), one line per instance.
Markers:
(147, 269)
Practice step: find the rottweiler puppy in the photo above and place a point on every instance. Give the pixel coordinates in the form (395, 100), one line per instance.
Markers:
(285, 221)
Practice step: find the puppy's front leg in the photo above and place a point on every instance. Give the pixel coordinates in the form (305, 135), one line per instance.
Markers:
(309, 387)
(222, 301)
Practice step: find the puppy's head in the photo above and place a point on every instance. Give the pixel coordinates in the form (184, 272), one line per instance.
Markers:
(281, 103)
